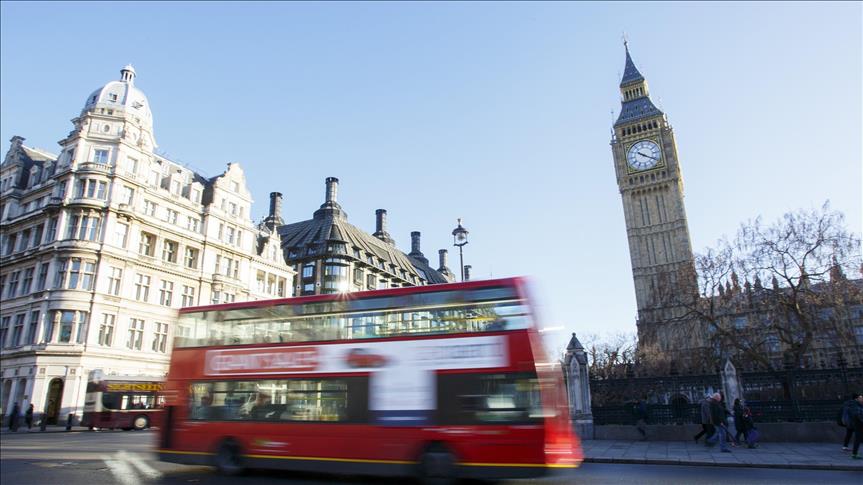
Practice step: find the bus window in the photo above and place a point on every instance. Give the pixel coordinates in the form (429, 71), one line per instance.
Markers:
(465, 399)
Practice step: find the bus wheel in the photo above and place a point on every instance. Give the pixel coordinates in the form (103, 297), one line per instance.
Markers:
(140, 422)
(436, 465)
(229, 459)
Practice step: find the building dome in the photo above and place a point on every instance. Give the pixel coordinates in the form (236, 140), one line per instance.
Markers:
(123, 98)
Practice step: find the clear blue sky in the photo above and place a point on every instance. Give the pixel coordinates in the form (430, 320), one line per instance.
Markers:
(496, 113)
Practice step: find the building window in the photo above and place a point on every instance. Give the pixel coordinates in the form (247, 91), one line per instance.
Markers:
(52, 230)
(191, 258)
(18, 330)
(121, 234)
(127, 196)
(171, 216)
(160, 337)
(31, 329)
(131, 166)
(100, 156)
(37, 235)
(235, 186)
(67, 322)
(106, 330)
(136, 334)
(188, 296)
(216, 298)
(150, 208)
(91, 189)
(147, 246)
(169, 251)
(28, 280)
(308, 288)
(142, 287)
(230, 297)
(12, 289)
(370, 281)
(115, 280)
(227, 266)
(4, 330)
(83, 227)
(42, 280)
(166, 293)
(155, 178)
(309, 271)
(193, 224)
(24, 240)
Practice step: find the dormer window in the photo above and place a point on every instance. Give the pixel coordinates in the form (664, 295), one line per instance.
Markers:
(112, 97)
(235, 187)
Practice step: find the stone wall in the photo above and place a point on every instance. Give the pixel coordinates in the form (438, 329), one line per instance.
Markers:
(820, 432)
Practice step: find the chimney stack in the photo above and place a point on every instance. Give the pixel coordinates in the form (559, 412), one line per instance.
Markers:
(276, 206)
(381, 227)
(442, 257)
(415, 242)
(332, 189)
(416, 253)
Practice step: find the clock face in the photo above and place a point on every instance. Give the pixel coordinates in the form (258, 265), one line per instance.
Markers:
(643, 155)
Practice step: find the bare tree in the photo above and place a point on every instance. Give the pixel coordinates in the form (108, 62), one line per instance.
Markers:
(612, 356)
(795, 300)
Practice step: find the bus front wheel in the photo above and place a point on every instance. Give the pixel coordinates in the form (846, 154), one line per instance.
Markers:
(436, 465)
(229, 458)
(140, 422)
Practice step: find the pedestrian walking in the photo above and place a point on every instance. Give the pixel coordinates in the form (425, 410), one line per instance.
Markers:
(28, 416)
(747, 426)
(706, 423)
(738, 418)
(844, 420)
(856, 415)
(641, 418)
(717, 415)
(14, 416)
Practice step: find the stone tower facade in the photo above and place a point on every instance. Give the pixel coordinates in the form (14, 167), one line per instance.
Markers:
(651, 187)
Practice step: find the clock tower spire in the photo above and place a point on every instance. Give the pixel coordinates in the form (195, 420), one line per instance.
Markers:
(651, 188)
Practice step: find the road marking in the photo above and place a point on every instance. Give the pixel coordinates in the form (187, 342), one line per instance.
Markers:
(121, 471)
(140, 464)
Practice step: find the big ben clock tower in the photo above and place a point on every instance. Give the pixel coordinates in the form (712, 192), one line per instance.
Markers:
(651, 187)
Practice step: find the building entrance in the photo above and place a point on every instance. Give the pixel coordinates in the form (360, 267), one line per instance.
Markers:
(55, 396)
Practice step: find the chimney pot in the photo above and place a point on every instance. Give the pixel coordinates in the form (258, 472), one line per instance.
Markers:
(415, 242)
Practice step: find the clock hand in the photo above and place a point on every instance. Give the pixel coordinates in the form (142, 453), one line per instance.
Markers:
(648, 156)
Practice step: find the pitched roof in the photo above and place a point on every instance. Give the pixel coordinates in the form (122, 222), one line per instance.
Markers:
(331, 225)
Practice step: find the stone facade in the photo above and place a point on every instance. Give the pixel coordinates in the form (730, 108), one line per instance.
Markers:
(101, 244)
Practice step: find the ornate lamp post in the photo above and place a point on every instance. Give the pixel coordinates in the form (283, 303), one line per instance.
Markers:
(459, 239)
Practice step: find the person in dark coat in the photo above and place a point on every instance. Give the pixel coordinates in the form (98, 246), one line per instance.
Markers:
(641, 418)
(707, 428)
(738, 418)
(28, 416)
(14, 416)
(856, 415)
(717, 415)
(747, 425)
(845, 421)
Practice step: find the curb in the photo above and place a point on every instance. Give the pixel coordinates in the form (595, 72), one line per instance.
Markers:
(791, 466)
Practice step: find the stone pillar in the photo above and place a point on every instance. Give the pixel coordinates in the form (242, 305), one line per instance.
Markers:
(731, 387)
(577, 378)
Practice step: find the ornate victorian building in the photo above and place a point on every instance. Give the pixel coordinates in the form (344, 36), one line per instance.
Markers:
(101, 244)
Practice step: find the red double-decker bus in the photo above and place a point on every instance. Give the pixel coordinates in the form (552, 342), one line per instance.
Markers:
(442, 381)
(125, 402)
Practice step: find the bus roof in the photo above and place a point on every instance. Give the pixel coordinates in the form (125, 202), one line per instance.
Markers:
(516, 282)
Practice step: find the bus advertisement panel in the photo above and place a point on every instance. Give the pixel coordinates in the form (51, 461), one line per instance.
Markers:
(442, 381)
(125, 402)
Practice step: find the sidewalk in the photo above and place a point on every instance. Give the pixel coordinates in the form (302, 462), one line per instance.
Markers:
(813, 456)
(51, 428)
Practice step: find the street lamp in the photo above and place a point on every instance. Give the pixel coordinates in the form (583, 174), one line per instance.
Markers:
(459, 238)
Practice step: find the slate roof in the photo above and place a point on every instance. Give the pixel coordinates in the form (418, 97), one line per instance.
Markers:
(636, 109)
(630, 72)
(330, 224)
